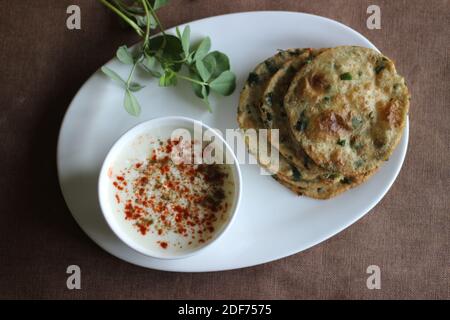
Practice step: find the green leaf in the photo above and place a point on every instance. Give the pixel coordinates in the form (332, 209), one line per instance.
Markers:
(190, 57)
(167, 48)
(134, 86)
(356, 122)
(141, 21)
(159, 3)
(151, 66)
(186, 40)
(346, 180)
(153, 23)
(205, 69)
(113, 75)
(131, 104)
(380, 67)
(346, 76)
(358, 163)
(197, 87)
(205, 94)
(296, 175)
(203, 48)
(124, 55)
(169, 78)
(201, 91)
(302, 122)
(220, 62)
(149, 62)
(198, 90)
(224, 84)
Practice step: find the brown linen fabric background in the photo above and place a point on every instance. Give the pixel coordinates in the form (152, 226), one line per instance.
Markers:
(43, 64)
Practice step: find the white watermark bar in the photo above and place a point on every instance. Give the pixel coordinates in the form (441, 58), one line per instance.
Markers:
(199, 146)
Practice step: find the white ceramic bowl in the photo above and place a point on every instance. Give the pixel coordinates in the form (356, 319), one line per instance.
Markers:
(159, 128)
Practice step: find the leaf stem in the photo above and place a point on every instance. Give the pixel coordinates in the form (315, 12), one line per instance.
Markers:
(123, 16)
(131, 74)
(192, 80)
(147, 29)
(180, 61)
(158, 22)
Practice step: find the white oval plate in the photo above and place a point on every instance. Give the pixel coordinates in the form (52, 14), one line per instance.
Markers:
(272, 222)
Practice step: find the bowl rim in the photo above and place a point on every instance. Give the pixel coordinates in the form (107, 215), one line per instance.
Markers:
(136, 130)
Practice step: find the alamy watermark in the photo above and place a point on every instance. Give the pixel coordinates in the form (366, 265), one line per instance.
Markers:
(74, 280)
(374, 280)
(73, 21)
(374, 20)
(206, 146)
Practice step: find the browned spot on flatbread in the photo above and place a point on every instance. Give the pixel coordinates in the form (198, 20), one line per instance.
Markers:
(319, 82)
(391, 113)
(336, 157)
(331, 122)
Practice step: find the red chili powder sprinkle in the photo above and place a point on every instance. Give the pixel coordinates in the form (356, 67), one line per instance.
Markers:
(166, 197)
(163, 244)
(142, 229)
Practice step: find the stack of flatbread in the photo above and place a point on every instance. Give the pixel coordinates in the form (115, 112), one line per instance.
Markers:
(340, 113)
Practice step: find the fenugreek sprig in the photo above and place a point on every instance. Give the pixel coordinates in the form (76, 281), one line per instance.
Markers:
(167, 57)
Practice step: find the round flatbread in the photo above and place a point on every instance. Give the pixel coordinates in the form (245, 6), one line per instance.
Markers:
(250, 98)
(274, 116)
(286, 172)
(290, 176)
(249, 118)
(326, 191)
(347, 109)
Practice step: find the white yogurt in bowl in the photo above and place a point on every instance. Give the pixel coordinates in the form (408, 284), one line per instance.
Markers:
(160, 192)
